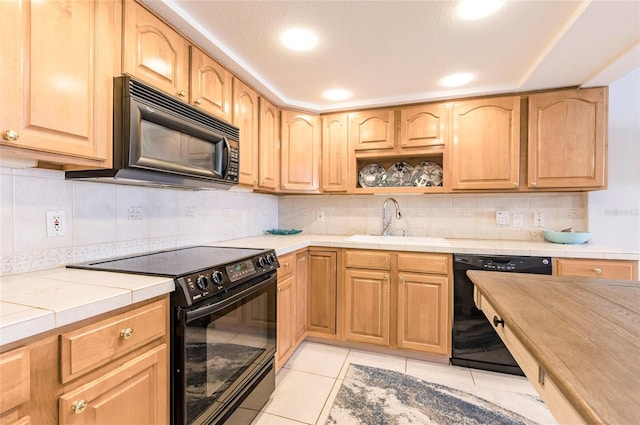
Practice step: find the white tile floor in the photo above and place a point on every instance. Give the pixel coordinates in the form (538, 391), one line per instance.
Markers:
(308, 383)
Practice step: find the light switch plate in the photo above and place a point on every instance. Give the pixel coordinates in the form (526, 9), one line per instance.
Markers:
(502, 218)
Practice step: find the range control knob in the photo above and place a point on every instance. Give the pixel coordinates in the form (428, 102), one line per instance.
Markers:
(202, 282)
(270, 258)
(216, 277)
(262, 262)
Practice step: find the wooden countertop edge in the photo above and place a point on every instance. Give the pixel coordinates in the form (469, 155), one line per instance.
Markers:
(578, 403)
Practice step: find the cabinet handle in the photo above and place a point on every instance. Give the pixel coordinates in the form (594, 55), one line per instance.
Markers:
(79, 406)
(198, 101)
(126, 333)
(279, 290)
(11, 135)
(497, 321)
(286, 264)
(597, 270)
(182, 93)
(515, 184)
(533, 184)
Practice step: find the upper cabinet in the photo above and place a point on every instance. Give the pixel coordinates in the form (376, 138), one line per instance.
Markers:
(211, 88)
(58, 63)
(245, 117)
(301, 145)
(372, 130)
(154, 52)
(425, 126)
(485, 150)
(335, 138)
(568, 139)
(269, 146)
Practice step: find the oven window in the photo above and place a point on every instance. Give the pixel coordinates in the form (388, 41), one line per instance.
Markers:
(225, 348)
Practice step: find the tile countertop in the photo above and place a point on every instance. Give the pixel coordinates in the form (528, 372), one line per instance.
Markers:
(63, 296)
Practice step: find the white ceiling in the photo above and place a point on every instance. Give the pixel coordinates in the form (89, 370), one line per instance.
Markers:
(391, 52)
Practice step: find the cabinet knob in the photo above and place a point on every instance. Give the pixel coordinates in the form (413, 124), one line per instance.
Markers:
(279, 289)
(497, 321)
(286, 264)
(79, 406)
(198, 101)
(597, 270)
(533, 184)
(182, 93)
(11, 135)
(126, 333)
(515, 184)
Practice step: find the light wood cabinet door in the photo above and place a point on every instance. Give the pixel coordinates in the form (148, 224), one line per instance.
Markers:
(301, 144)
(285, 338)
(423, 309)
(211, 86)
(366, 306)
(302, 298)
(15, 383)
(605, 269)
(372, 130)
(568, 139)
(135, 393)
(425, 126)
(322, 292)
(154, 52)
(56, 78)
(269, 146)
(485, 152)
(245, 117)
(335, 139)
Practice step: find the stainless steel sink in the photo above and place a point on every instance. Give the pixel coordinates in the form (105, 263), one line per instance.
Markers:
(397, 240)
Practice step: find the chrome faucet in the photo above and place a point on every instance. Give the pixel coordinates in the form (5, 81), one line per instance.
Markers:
(386, 222)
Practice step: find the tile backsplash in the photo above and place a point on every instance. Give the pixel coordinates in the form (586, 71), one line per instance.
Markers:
(107, 220)
(449, 216)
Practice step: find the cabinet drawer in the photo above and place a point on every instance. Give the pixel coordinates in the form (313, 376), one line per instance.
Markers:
(378, 260)
(424, 263)
(15, 383)
(91, 346)
(607, 269)
(286, 265)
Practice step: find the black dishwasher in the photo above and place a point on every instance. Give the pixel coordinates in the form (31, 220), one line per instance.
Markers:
(475, 343)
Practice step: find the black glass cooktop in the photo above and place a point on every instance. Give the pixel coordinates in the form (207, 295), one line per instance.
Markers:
(174, 263)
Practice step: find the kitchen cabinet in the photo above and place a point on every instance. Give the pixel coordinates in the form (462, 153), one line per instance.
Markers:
(286, 302)
(245, 117)
(485, 150)
(424, 302)
(372, 130)
(112, 369)
(15, 386)
(58, 63)
(154, 52)
(211, 85)
(269, 146)
(335, 139)
(323, 286)
(302, 299)
(568, 139)
(367, 298)
(607, 269)
(301, 149)
(425, 126)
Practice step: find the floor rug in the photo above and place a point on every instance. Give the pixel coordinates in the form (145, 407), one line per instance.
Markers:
(372, 396)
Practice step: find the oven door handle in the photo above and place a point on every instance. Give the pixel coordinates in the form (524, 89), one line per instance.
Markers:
(212, 308)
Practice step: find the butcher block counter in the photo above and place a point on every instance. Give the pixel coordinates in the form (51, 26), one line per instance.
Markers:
(576, 339)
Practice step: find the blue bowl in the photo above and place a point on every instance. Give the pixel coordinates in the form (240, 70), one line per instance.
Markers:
(567, 237)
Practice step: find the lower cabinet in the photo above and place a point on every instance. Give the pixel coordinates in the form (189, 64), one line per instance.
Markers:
(113, 370)
(398, 300)
(606, 269)
(323, 285)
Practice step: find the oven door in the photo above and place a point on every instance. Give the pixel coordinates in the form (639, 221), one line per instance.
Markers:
(223, 355)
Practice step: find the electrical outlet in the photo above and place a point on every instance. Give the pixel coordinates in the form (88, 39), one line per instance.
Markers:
(502, 218)
(538, 219)
(56, 224)
(190, 212)
(320, 215)
(134, 212)
(518, 220)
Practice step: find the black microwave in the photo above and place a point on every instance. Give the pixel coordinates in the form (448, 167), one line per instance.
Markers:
(159, 140)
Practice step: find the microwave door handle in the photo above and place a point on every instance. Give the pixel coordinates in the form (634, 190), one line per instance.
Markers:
(220, 154)
(227, 149)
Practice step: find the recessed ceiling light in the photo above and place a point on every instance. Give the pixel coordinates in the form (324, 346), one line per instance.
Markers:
(455, 80)
(337, 94)
(299, 39)
(476, 9)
